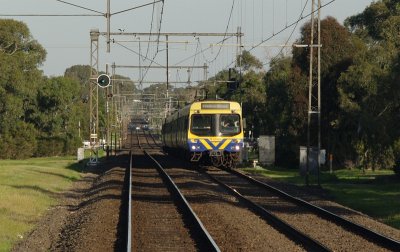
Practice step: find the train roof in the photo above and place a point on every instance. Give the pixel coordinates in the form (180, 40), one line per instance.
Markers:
(213, 106)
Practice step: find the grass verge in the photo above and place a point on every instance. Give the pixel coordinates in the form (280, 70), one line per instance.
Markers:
(375, 193)
(27, 189)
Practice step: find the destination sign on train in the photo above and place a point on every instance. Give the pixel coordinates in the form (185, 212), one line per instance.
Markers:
(215, 106)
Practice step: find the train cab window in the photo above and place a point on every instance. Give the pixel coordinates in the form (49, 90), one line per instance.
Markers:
(229, 124)
(202, 124)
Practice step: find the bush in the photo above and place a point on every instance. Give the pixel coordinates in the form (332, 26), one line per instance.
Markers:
(50, 146)
(397, 168)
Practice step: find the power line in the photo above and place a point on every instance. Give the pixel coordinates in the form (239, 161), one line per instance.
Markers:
(159, 26)
(50, 15)
(287, 27)
(284, 29)
(139, 54)
(80, 7)
(291, 34)
(137, 7)
(158, 41)
(151, 30)
(202, 51)
(226, 31)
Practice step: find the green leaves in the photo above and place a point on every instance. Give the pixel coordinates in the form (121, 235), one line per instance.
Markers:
(34, 110)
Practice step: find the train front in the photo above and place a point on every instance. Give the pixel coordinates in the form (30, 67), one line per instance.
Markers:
(215, 132)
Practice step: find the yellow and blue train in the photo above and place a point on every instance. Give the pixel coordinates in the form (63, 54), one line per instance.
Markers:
(206, 131)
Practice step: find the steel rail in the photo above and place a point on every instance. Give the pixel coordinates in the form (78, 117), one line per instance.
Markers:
(129, 238)
(279, 224)
(147, 139)
(369, 234)
(154, 140)
(206, 240)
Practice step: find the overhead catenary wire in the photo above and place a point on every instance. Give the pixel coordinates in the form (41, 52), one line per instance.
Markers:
(158, 39)
(99, 13)
(293, 23)
(283, 29)
(291, 34)
(160, 24)
(151, 30)
(51, 15)
(139, 54)
(80, 7)
(202, 51)
(226, 31)
(197, 48)
(137, 7)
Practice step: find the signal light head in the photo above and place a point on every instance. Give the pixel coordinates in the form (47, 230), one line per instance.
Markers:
(103, 80)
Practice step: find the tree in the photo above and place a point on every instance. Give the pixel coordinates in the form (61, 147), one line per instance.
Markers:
(58, 116)
(20, 56)
(369, 90)
(280, 110)
(248, 61)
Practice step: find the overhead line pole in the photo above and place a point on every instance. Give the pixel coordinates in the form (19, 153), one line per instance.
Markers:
(319, 91)
(108, 16)
(314, 92)
(167, 45)
(94, 95)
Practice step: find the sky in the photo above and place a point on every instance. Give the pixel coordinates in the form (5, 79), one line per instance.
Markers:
(67, 41)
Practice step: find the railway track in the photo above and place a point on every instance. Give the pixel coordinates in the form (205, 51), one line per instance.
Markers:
(201, 238)
(318, 230)
(236, 181)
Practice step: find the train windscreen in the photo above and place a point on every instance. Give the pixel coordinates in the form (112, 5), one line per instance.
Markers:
(215, 124)
(229, 124)
(203, 124)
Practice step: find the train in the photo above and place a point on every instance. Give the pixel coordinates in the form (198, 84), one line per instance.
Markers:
(208, 131)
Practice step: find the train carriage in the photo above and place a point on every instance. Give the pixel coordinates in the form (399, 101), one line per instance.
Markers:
(206, 131)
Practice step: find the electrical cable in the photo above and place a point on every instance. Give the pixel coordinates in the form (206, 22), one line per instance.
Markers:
(282, 30)
(155, 55)
(51, 15)
(202, 51)
(226, 31)
(151, 29)
(197, 49)
(127, 48)
(81, 7)
(137, 7)
(160, 24)
(291, 34)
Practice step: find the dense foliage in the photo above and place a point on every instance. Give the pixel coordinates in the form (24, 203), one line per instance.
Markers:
(360, 82)
(39, 116)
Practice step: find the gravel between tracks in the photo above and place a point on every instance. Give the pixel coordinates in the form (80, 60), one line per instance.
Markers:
(327, 232)
(157, 223)
(320, 198)
(231, 224)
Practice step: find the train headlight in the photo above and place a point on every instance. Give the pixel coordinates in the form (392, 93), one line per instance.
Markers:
(195, 147)
(235, 147)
